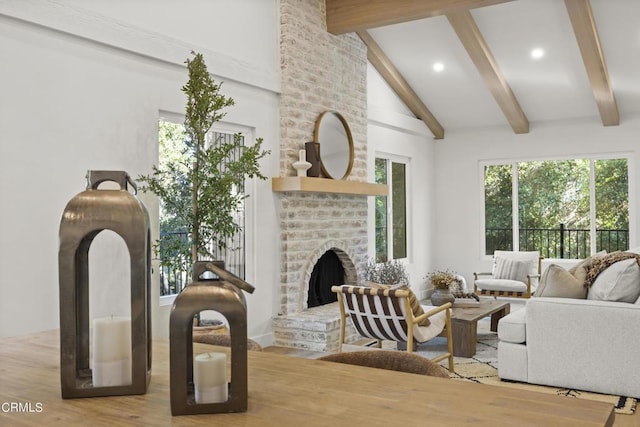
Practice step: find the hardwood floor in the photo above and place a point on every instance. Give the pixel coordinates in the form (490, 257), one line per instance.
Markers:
(295, 352)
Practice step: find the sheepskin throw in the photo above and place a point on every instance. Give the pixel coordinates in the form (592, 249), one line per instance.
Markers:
(599, 264)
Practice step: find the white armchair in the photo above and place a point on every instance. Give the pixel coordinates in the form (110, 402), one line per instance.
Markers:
(514, 274)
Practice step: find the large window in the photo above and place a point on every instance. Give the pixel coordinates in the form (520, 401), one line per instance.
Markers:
(563, 208)
(391, 211)
(172, 150)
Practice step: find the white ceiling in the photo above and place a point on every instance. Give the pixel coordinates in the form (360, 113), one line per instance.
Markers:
(555, 87)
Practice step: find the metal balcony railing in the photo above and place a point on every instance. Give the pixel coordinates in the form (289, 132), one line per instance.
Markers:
(174, 279)
(561, 242)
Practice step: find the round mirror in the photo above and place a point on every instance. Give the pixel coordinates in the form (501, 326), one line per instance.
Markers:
(336, 145)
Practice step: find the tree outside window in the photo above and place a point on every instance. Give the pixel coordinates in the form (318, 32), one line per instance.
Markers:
(391, 211)
(564, 208)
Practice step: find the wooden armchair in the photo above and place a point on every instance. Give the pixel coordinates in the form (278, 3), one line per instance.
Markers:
(514, 274)
(386, 314)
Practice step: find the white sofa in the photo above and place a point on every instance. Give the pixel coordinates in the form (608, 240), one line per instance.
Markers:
(582, 344)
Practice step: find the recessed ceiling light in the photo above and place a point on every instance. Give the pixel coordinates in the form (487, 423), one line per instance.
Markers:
(438, 67)
(537, 53)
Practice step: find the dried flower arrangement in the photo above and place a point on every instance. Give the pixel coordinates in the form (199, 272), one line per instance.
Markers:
(442, 279)
(386, 273)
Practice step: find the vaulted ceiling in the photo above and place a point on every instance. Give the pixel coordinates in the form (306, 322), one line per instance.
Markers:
(590, 63)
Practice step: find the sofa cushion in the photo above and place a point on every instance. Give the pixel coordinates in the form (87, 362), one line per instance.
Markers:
(558, 282)
(512, 327)
(618, 282)
(511, 269)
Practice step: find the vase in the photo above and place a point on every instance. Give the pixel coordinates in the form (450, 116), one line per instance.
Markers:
(313, 156)
(302, 165)
(442, 296)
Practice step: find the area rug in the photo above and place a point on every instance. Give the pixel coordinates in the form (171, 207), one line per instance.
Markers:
(482, 368)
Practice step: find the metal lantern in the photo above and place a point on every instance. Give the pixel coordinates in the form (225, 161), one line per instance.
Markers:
(224, 295)
(85, 216)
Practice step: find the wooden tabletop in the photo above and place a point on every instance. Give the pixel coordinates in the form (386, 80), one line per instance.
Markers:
(283, 391)
(486, 307)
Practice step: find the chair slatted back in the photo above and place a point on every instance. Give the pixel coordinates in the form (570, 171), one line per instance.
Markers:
(376, 313)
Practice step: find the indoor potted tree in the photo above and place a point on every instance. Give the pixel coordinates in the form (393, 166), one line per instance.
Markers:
(198, 190)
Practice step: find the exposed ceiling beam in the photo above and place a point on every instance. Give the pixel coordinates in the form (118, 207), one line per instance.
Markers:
(347, 16)
(472, 40)
(392, 76)
(584, 27)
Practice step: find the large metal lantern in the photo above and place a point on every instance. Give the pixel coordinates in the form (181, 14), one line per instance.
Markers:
(121, 346)
(214, 395)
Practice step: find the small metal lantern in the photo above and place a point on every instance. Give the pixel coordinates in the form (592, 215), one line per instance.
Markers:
(224, 295)
(86, 215)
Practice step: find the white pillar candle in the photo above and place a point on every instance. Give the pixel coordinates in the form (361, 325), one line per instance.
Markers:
(303, 155)
(111, 351)
(210, 377)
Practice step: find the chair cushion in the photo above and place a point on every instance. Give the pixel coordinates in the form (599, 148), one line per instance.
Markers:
(437, 323)
(512, 327)
(558, 282)
(501, 285)
(512, 269)
(618, 282)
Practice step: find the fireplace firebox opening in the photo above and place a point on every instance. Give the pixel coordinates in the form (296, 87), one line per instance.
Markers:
(327, 272)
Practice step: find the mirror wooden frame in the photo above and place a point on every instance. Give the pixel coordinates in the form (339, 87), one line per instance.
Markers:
(316, 137)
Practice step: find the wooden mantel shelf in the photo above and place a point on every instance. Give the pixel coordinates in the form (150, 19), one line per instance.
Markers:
(306, 184)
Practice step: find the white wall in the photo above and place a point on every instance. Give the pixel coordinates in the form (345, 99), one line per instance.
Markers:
(69, 104)
(459, 180)
(394, 130)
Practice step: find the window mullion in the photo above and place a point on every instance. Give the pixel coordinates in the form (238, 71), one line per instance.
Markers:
(390, 254)
(515, 216)
(592, 205)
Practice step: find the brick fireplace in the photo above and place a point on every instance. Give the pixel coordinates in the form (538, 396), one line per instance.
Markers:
(320, 72)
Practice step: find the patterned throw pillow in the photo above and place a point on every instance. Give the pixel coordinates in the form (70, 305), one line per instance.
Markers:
(511, 269)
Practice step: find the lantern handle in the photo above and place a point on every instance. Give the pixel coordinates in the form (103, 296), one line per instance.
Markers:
(97, 177)
(230, 277)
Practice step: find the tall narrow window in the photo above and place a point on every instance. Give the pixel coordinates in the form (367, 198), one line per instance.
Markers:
(564, 208)
(173, 150)
(391, 211)
(497, 207)
(382, 253)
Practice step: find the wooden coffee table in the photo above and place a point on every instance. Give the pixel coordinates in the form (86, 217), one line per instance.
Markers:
(464, 324)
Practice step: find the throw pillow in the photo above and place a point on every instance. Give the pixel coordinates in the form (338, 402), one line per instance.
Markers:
(579, 271)
(558, 282)
(618, 282)
(512, 269)
(416, 308)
